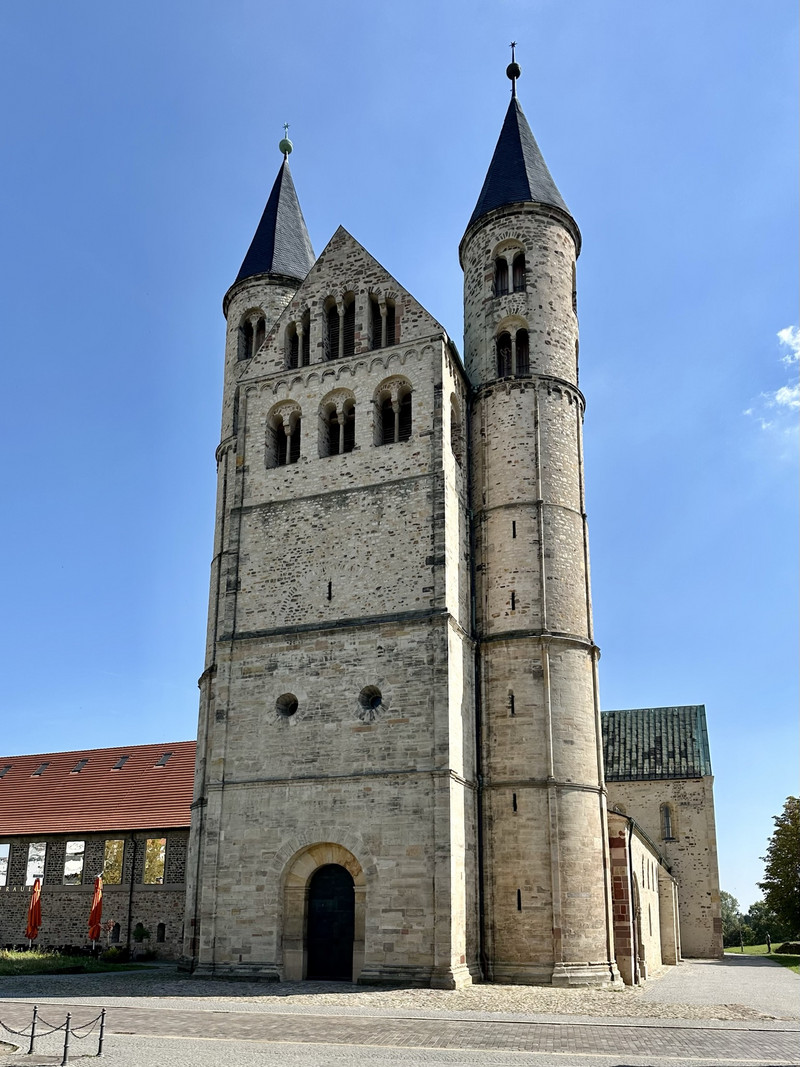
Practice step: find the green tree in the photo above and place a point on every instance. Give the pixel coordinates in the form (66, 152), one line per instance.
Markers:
(731, 918)
(762, 920)
(781, 885)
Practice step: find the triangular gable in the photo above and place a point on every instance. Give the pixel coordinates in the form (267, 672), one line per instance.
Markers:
(343, 266)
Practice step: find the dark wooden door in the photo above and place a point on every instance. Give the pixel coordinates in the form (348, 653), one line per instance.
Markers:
(331, 924)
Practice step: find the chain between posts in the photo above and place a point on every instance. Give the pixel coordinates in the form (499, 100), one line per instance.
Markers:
(66, 1026)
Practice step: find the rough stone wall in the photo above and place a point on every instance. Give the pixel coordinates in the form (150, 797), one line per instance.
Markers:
(334, 575)
(65, 908)
(546, 887)
(691, 854)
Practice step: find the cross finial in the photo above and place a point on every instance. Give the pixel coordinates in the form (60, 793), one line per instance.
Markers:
(512, 70)
(286, 129)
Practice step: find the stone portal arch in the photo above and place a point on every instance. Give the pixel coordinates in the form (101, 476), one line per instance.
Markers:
(297, 876)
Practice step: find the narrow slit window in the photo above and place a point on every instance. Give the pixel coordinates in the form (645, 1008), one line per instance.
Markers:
(246, 338)
(500, 277)
(330, 590)
(305, 347)
(349, 327)
(513, 600)
(332, 336)
(511, 704)
(513, 528)
(518, 273)
(504, 355)
(390, 324)
(523, 354)
(261, 334)
(375, 324)
(294, 350)
(666, 822)
(519, 900)
(514, 801)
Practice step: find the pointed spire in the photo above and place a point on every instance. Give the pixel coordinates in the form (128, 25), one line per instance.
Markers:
(518, 172)
(281, 244)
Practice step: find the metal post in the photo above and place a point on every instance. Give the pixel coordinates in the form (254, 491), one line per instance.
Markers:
(65, 1060)
(33, 1030)
(102, 1031)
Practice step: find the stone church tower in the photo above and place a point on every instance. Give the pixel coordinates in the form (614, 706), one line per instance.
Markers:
(399, 771)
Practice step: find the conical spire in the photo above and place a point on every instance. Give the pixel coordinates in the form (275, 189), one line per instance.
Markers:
(518, 172)
(281, 244)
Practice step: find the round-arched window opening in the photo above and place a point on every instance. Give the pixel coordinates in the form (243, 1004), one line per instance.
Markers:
(286, 705)
(370, 698)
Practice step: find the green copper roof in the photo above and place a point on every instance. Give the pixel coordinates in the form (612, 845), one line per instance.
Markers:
(650, 743)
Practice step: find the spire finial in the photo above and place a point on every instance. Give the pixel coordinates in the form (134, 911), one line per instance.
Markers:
(286, 145)
(513, 70)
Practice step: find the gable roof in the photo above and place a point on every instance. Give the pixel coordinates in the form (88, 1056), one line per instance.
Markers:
(518, 172)
(82, 791)
(650, 743)
(281, 244)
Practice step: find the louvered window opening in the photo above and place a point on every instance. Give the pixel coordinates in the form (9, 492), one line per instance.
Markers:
(246, 337)
(261, 334)
(332, 333)
(305, 348)
(341, 435)
(383, 327)
(518, 273)
(500, 277)
(294, 351)
(523, 353)
(349, 329)
(287, 446)
(396, 425)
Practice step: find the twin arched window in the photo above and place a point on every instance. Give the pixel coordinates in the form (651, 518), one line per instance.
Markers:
(382, 323)
(393, 421)
(252, 334)
(283, 436)
(513, 354)
(337, 425)
(340, 328)
(506, 267)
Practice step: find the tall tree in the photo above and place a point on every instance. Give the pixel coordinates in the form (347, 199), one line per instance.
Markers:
(781, 885)
(731, 918)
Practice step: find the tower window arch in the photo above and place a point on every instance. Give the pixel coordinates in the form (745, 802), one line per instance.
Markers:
(518, 272)
(305, 340)
(500, 276)
(292, 347)
(251, 334)
(340, 331)
(332, 326)
(283, 436)
(523, 360)
(393, 416)
(298, 343)
(246, 338)
(348, 343)
(260, 333)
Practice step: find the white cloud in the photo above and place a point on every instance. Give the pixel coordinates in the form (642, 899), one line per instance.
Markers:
(790, 337)
(776, 411)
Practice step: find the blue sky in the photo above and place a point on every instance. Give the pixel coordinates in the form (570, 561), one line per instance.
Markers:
(140, 144)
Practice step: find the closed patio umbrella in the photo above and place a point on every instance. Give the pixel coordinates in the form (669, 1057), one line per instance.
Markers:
(96, 913)
(34, 912)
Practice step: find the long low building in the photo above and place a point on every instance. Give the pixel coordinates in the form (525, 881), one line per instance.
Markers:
(124, 813)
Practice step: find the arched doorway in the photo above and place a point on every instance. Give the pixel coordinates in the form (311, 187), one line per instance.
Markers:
(330, 924)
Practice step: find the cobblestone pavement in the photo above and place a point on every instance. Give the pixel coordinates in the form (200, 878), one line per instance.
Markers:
(158, 1017)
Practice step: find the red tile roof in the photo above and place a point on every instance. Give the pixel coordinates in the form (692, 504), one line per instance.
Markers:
(139, 795)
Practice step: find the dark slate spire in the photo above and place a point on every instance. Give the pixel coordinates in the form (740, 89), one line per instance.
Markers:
(518, 172)
(281, 244)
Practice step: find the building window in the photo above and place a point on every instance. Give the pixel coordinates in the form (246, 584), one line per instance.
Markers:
(5, 853)
(246, 338)
(293, 353)
(666, 823)
(382, 323)
(504, 355)
(338, 426)
(115, 932)
(260, 333)
(161, 933)
(113, 855)
(349, 327)
(396, 419)
(37, 851)
(73, 863)
(155, 852)
(332, 332)
(523, 367)
(518, 273)
(500, 276)
(283, 437)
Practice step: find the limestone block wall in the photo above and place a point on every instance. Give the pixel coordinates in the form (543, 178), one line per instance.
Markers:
(691, 852)
(65, 908)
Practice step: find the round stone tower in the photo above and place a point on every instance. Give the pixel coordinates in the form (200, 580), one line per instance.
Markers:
(546, 889)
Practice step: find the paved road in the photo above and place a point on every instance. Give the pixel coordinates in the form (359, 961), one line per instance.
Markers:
(146, 1033)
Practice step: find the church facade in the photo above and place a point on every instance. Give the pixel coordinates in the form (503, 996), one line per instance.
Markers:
(399, 770)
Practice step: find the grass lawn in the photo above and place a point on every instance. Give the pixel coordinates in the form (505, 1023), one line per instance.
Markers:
(39, 961)
(792, 962)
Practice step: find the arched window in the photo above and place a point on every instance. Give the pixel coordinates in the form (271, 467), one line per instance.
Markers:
(382, 318)
(338, 430)
(305, 341)
(293, 348)
(332, 332)
(394, 420)
(500, 276)
(504, 355)
(518, 273)
(246, 338)
(115, 934)
(283, 436)
(261, 333)
(666, 823)
(523, 367)
(161, 933)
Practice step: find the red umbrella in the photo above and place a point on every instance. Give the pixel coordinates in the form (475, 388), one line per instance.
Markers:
(96, 913)
(34, 911)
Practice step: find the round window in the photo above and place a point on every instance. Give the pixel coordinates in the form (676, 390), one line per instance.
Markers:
(286, 705)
